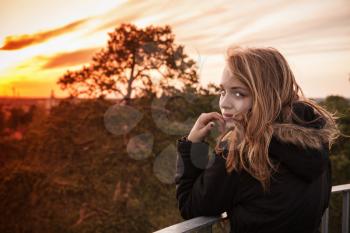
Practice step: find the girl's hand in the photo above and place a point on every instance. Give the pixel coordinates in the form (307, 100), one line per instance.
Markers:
(204, 124)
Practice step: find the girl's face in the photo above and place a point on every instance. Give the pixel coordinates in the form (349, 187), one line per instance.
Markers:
(234, 97)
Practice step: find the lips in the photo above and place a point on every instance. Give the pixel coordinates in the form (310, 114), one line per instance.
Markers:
(227, 116)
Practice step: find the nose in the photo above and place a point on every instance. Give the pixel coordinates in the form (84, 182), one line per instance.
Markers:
(225, 103)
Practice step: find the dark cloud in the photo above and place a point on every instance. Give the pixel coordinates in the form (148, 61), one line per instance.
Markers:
(21, 41)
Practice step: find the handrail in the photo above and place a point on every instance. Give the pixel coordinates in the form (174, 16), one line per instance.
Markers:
(340, 188)
(198, 223)
(204, 224)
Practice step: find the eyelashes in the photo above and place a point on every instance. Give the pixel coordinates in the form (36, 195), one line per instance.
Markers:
(234, 93)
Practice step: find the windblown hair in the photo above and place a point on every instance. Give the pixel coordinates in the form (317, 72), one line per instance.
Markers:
(266, 73)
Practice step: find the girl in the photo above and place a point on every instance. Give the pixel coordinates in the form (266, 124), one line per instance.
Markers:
(271, 171)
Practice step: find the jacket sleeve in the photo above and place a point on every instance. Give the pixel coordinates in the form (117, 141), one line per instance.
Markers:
(203, 187)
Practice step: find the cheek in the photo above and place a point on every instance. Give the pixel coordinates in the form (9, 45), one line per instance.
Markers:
(242, 105)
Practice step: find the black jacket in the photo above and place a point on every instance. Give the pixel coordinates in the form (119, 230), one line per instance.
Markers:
(299, 192)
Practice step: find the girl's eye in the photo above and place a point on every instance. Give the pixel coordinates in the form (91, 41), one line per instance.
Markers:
(238, 94)
(235, 93)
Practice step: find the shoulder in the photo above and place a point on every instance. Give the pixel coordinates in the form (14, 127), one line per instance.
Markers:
(307, 163)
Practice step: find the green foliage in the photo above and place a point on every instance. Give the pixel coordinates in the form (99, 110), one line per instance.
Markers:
(340, 156)
(76, 176)
(340, 152)
(18, 120)
(2, 120)
(18, 117)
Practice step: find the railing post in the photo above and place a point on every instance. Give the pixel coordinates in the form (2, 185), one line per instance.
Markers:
(324, 225)
(345, 212)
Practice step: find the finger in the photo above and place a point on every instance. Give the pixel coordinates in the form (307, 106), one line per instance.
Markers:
(221, 125)
(211, 116)
(220, 117)
(221, 121)
(209, 127)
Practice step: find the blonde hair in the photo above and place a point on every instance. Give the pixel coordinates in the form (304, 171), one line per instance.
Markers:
(266, 73)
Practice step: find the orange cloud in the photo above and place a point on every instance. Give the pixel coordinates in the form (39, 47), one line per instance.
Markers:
(21, 41)
(32, 88)
(69, 58)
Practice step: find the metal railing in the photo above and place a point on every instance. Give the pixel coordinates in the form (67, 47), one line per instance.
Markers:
(205, 224)
(345, 190)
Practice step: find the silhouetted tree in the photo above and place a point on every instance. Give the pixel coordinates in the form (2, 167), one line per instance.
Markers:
(136, 62)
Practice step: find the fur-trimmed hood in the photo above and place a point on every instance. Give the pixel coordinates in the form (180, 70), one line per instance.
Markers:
(302, 148)
(312, 135)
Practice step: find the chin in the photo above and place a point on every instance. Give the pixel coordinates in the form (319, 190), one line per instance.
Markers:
(229, 124)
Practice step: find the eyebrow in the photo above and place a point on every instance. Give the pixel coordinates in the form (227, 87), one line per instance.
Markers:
(235, 87)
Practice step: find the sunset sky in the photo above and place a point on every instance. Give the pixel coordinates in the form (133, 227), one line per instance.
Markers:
(41, 39)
